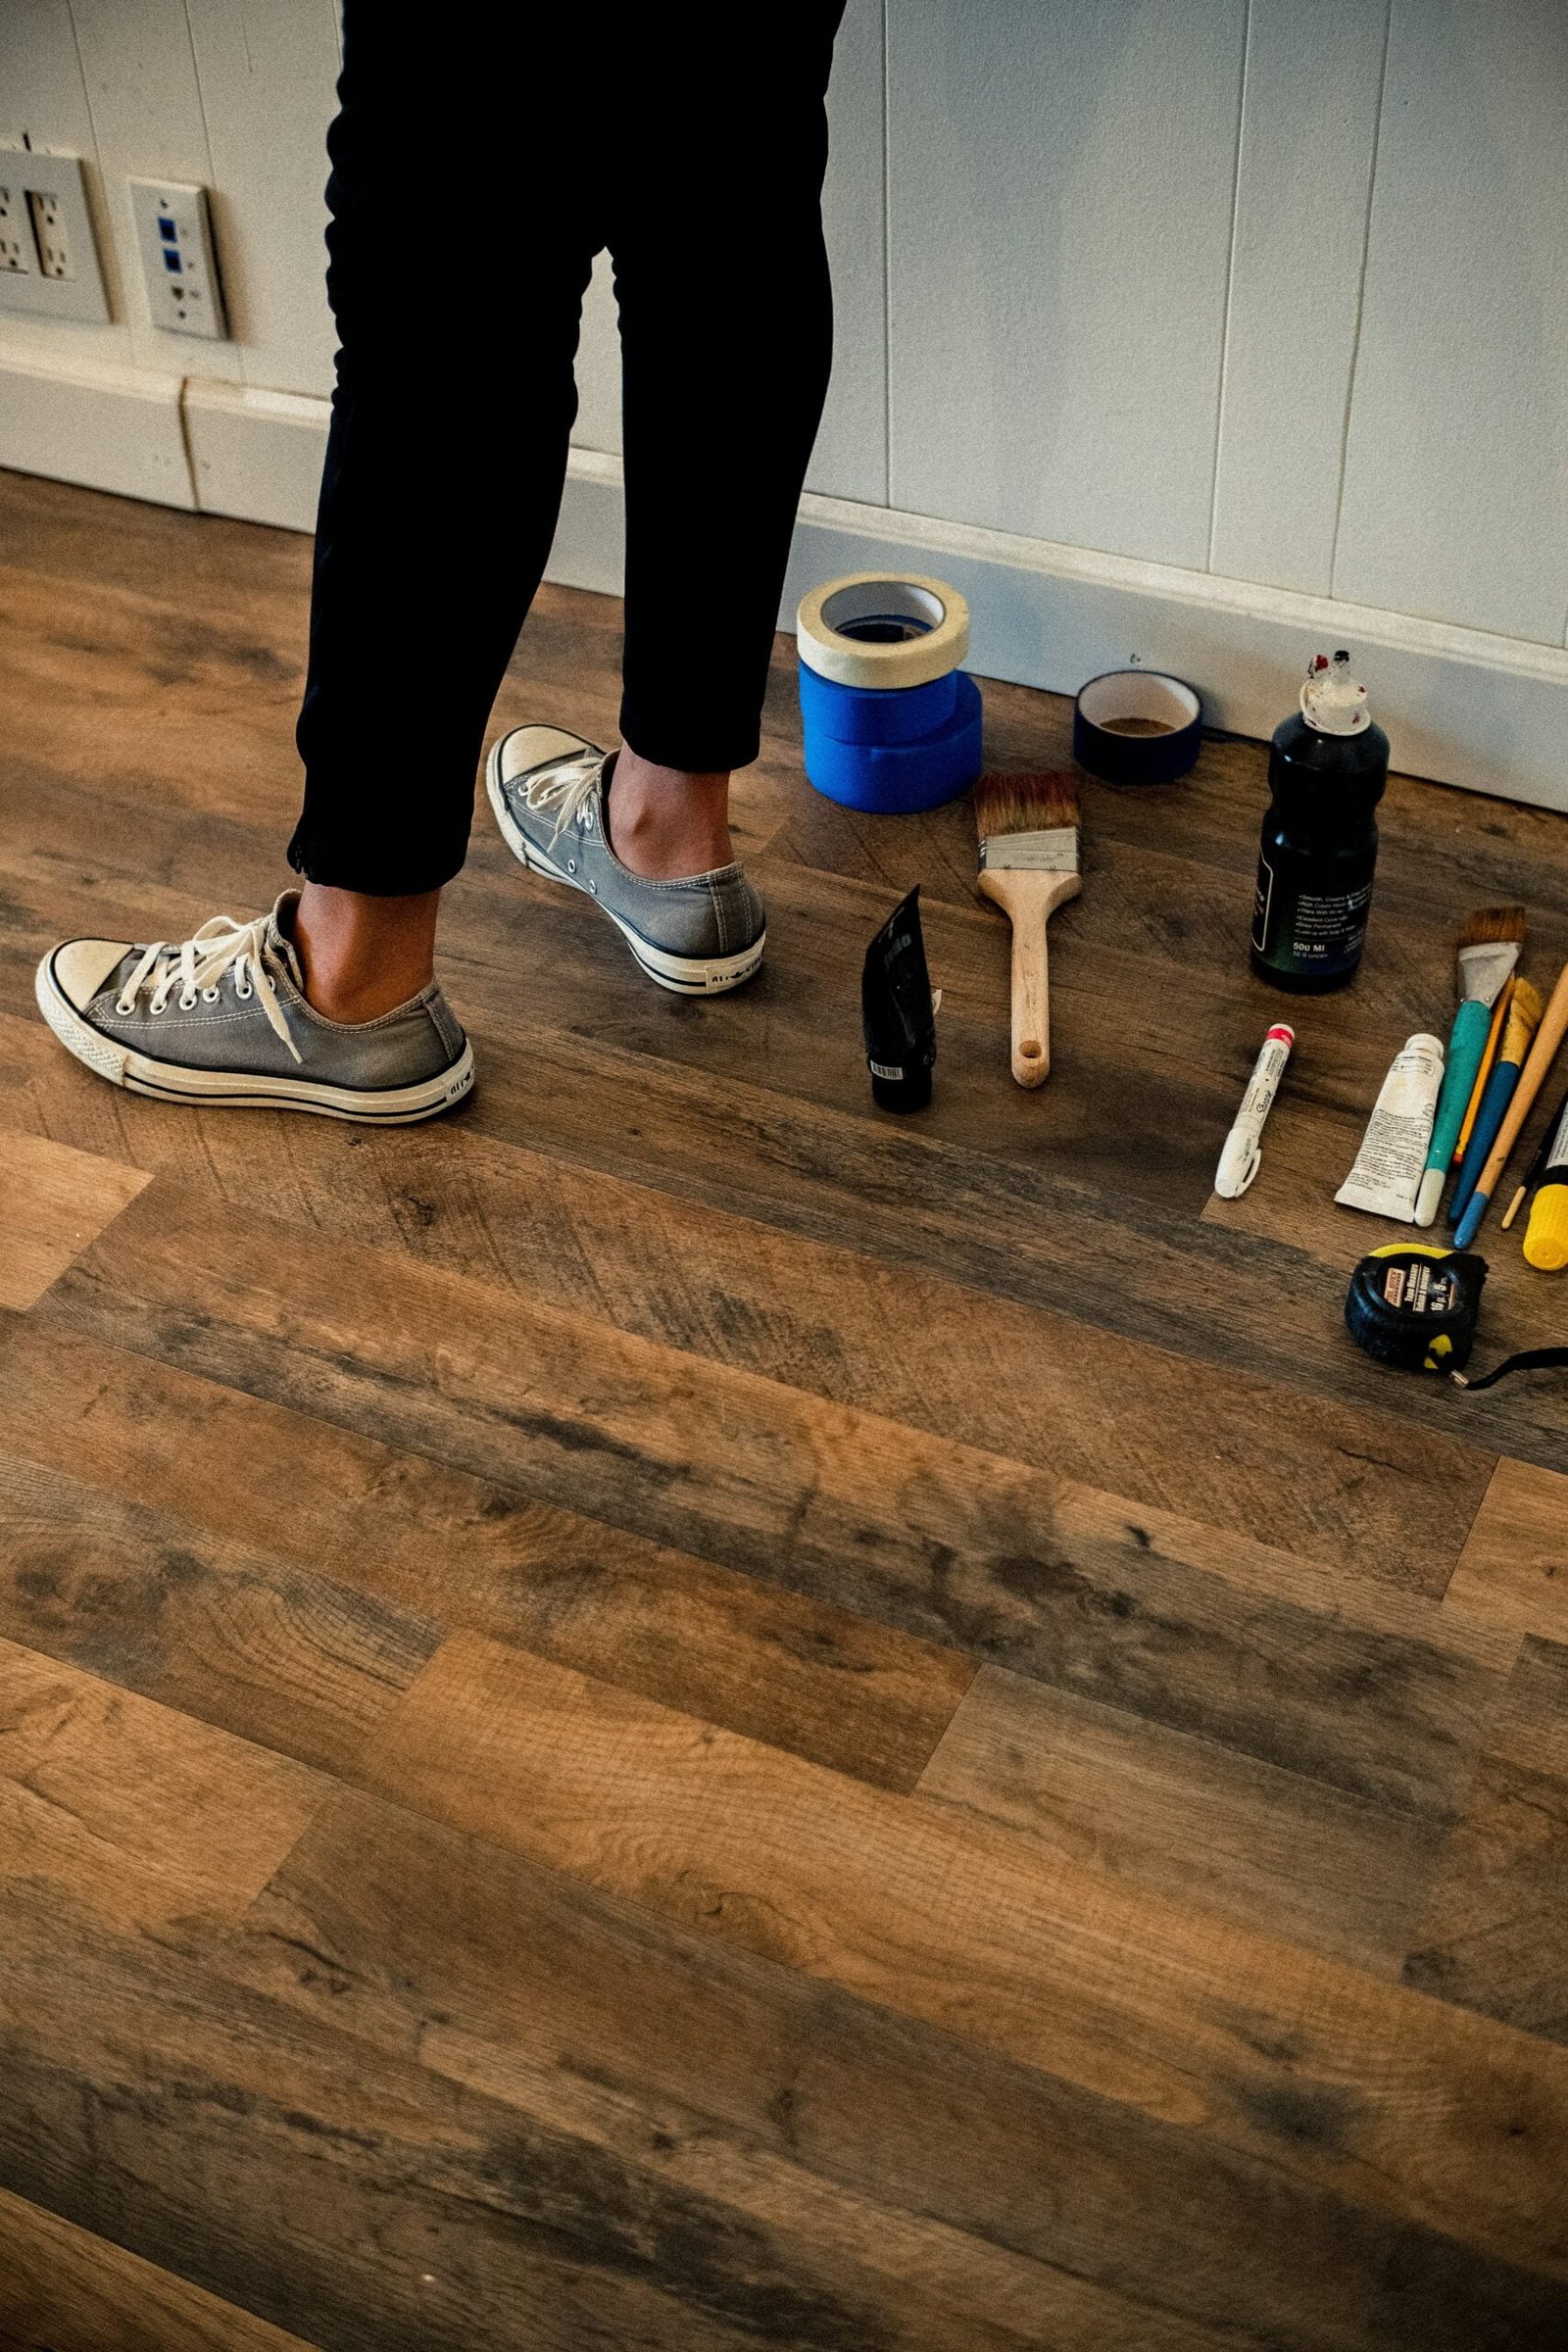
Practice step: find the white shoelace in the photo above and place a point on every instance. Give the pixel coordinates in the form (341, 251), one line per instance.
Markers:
(566, 785)
(199, 963)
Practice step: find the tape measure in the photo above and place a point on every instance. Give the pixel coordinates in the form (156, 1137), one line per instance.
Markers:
(1417, 1306)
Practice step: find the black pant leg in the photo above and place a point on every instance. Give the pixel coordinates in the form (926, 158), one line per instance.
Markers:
(449, 422)
(726, 324)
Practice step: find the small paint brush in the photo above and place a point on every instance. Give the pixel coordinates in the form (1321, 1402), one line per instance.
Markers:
(1500, 1013)
(1523, 1018)
(1487, 950)
(1028, 828)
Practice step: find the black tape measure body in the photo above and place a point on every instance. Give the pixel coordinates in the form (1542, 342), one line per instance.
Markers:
(1415, 1305)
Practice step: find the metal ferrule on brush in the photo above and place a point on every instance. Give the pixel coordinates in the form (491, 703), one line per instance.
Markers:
(1054, 853)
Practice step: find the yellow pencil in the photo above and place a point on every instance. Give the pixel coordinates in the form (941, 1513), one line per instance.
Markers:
(1500, 1013)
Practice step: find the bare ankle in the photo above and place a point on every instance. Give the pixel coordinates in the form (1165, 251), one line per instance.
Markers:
(668, 822)
(362, 956)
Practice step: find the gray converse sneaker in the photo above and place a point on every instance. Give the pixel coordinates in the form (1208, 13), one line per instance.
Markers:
(697, 936)
(222, 1017)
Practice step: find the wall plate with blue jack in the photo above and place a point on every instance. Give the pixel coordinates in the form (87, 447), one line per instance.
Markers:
(174, 239)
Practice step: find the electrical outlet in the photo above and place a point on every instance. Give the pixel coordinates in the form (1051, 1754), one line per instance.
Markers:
(50, 233)
(48, 255)
(15, 242)
(174, 238)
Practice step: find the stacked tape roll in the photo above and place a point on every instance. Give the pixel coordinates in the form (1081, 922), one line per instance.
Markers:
(892, 723)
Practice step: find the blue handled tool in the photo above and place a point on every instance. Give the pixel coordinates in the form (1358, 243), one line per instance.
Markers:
(1488, 949)
(1469, 1201)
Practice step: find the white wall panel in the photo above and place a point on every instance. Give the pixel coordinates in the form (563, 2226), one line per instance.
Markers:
(147, 120)
(849, 460)
(1061, 190)
(267, 71)
(44, 99)
(598, 424)
(1456, 474)
(1309, 115)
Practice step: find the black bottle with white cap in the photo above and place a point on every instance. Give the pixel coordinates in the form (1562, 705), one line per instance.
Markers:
(1327, 769)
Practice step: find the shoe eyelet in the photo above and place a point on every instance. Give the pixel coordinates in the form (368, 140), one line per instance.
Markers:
(244, 994)
(572, 865)
(209, 996)
(594, 887)
(124, 1009)
(187, 1003)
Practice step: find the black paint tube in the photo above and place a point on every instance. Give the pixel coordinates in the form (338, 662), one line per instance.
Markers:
(896, 1015)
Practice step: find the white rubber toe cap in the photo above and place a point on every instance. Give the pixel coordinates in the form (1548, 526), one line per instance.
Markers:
(530, 747)
(82, 965)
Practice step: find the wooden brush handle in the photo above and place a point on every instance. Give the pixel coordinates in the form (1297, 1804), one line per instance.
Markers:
(1028, 900)
(1548, 1037)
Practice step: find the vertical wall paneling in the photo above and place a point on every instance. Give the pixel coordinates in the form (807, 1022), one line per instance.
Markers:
(147, 119)
(1309, 115)
(1455, 502)
(267, 71)
(849, 460)
(43, 100)
(1061, 190)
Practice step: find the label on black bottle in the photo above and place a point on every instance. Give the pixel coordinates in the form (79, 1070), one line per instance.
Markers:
(1330, 928)
(1308, 930)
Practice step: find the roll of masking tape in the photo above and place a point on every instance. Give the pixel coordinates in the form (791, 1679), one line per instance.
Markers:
(1137, 727)
(883, 629)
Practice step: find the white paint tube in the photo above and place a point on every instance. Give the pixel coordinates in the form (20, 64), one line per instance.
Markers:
(1386, 1175)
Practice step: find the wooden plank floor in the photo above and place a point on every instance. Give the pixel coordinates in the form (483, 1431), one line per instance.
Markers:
(672, 1714)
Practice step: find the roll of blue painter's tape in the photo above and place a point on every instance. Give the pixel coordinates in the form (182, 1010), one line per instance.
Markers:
(891, 723)
(1163, 715)
(877, 714)
(898, 778)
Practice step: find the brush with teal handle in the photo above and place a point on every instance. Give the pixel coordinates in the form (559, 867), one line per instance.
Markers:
(1469, 1203)
(1488, 951)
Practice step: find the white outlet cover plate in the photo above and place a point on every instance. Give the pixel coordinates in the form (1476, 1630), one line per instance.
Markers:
(178, 266)
(25, 173)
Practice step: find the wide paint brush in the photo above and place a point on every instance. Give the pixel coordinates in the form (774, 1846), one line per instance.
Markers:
(1028, 828)
(1488, 949)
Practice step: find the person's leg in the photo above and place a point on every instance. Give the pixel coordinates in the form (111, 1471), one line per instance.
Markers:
(444, 472)
(714, 183)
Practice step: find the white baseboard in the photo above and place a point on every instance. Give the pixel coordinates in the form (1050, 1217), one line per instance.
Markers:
(108, 428)
(256, 454)
(1462, 707)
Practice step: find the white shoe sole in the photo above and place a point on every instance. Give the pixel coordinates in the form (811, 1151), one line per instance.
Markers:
(683, 975)
(172, 1082)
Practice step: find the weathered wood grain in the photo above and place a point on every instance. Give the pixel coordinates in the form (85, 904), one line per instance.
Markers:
(935, 1540)
(1294, 1468)
(271, 1645)
(220, 1628)
(1495, 1930)
(1185, 1818)
(106, 1783)
(56, 1202)
(1347, 2082)
(1514, 1565)
(515, 1978)
(63, 2290)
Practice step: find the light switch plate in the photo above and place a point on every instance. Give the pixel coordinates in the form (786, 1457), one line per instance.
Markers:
(48, 254)
(174, 239)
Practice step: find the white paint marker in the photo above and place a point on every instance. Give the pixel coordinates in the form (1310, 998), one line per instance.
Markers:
(1242, 1158)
